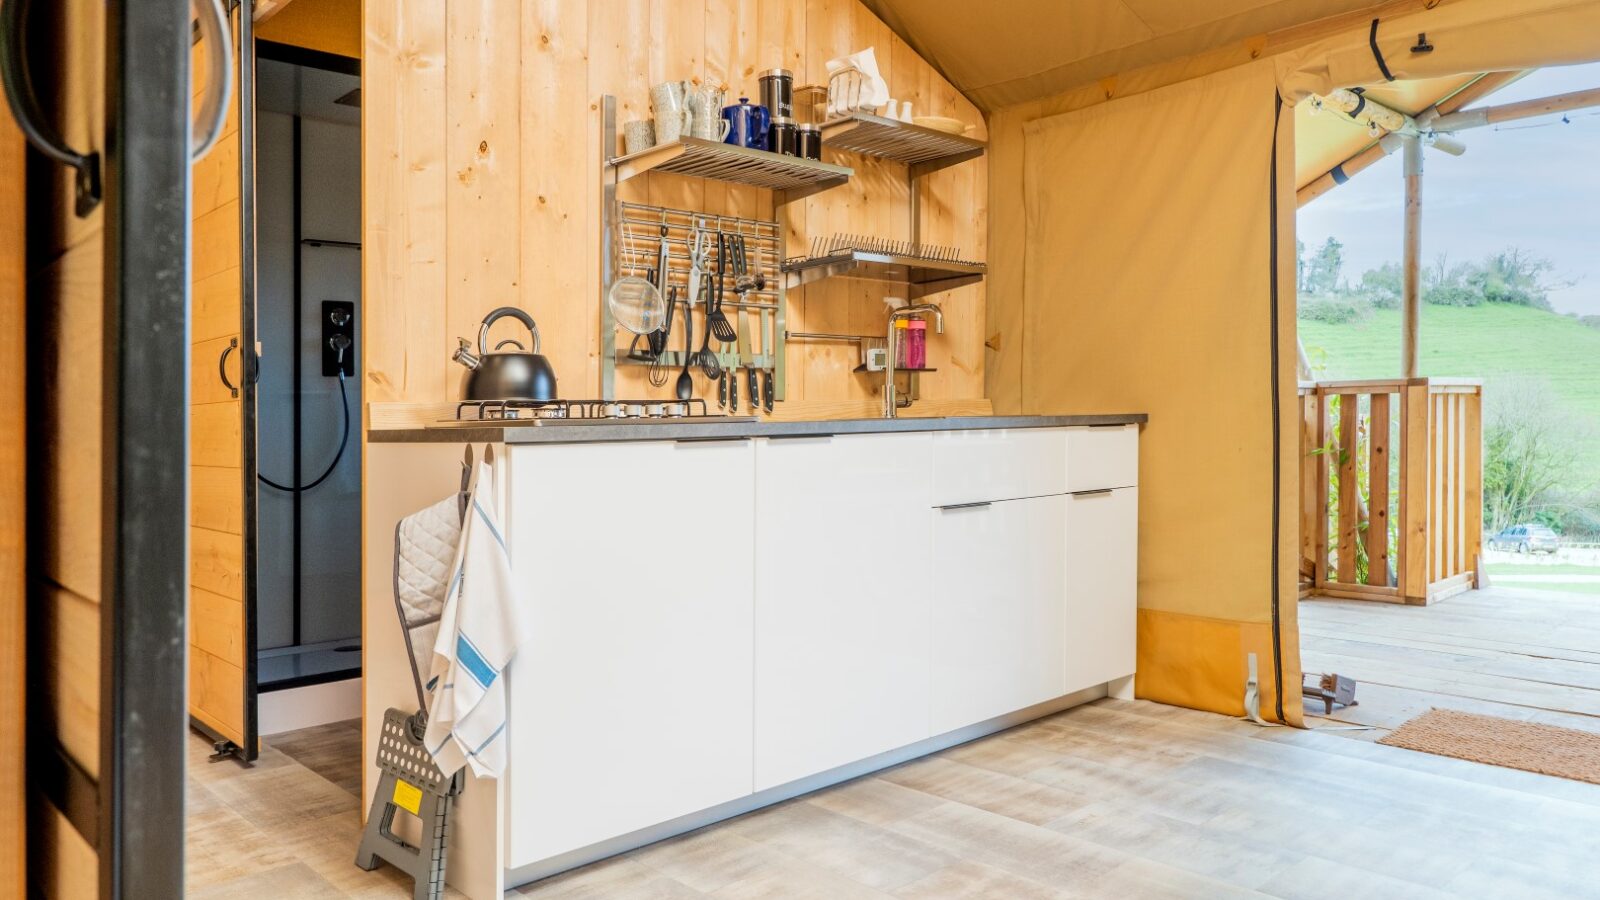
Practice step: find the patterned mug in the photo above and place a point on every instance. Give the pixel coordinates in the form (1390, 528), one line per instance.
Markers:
(670, 100)
(706, 121)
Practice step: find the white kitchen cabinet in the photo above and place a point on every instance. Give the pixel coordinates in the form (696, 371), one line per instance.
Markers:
(1101, 550)
(999, 613)
(841, 611)
(631, 703)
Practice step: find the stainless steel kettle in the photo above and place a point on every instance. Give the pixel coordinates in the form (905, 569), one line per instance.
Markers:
(505, 375)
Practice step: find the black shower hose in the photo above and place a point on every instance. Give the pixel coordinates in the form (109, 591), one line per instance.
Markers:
(344, 439)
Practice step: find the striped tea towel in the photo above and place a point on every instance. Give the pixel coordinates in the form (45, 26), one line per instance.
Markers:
(478, 637)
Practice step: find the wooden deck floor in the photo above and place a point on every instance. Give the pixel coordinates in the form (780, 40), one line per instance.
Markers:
(1521, 654)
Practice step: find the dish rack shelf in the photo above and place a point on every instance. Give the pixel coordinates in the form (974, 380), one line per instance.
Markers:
(922, 269)
(924, 149)
(700, 158)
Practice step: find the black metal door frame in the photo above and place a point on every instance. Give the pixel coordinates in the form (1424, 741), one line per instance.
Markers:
(145, 473)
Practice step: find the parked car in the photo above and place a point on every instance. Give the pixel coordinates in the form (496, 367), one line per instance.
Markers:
(1526, 539)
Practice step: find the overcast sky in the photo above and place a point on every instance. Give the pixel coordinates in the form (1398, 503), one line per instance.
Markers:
(1533, 184)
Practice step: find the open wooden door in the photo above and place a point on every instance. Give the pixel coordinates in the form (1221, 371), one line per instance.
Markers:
(96, 87)
(222, 657)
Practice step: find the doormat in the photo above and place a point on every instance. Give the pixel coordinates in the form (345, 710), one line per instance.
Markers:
(1530, 746)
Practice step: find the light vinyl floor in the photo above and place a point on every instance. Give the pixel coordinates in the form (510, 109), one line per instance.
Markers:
(1115, 799)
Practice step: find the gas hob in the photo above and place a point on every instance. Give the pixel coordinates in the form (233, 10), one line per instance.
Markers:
(586, 412)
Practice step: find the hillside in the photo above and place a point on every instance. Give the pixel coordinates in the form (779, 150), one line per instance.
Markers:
(1488, 341)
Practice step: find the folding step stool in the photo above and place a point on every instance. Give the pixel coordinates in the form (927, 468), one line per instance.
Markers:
(410, 781)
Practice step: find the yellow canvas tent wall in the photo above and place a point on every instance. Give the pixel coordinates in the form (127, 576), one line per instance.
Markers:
(1132, 225)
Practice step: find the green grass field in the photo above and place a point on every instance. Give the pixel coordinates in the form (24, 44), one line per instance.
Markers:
(1493, 341)
(1512, 570)
(1515, 575)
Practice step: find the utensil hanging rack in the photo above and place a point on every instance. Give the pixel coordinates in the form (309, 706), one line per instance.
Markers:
(632, 240)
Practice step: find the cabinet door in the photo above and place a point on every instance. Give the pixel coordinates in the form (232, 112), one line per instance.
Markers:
(998, 609)
(631, 704)
(842, 577)
(1102, 542)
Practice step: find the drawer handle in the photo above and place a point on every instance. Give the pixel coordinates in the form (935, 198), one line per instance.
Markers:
(712, 439)
(1094, 493)
(979, 504)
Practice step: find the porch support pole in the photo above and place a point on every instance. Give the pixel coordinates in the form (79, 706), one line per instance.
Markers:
(1411, 289)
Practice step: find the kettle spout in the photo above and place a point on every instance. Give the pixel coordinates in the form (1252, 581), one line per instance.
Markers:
(464, 354)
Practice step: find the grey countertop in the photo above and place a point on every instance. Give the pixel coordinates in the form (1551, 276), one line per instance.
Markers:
(718, 428)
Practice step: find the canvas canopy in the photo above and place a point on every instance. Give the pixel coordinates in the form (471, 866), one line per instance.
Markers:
(1137, 256)
(1461, 37)
(1001, 53)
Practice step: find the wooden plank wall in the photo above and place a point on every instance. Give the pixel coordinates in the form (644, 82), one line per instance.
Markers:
(482, 188)
(66, 297)
(13, 493)
(217, 625)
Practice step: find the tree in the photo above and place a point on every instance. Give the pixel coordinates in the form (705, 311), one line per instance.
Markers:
(1322, 272)
(1383, 286)
(1513, 276)
(1530, 451)
(1447, 285)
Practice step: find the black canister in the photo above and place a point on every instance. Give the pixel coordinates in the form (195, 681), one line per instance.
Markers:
(808, 142)
(777, 93)
(781, 136)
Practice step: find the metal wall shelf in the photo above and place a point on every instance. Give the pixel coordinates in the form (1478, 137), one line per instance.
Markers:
(924, 149)
(740, 165)
(898, 370)
(922, 276)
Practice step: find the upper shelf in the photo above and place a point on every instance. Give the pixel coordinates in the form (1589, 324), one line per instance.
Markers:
(740, 165)
(924, 149)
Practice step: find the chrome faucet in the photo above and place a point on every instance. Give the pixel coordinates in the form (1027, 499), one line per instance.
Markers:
(890, 402)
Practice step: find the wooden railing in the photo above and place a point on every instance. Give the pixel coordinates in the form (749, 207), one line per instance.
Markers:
(1391, 488)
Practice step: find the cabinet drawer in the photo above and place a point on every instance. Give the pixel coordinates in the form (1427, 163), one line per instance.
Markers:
(998, 464)
(1102, 457)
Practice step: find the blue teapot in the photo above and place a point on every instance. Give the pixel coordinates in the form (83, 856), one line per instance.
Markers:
(747, 125)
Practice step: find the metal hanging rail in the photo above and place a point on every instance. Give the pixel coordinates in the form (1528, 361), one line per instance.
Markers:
(632, 238)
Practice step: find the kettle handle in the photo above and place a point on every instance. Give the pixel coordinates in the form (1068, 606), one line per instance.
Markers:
(502, 312)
